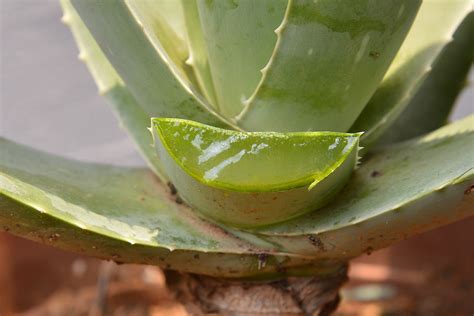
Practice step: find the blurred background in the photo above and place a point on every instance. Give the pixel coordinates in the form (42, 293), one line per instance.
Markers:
(49, 101)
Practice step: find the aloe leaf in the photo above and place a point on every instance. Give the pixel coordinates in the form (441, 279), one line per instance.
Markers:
(328, 60)
(253, 179)
(140, 60)
(432, 104)
(433, 29)
(239, 38)
(126, 215)
(130, 113)
(198, 56)
(400, 191)
(164, 23)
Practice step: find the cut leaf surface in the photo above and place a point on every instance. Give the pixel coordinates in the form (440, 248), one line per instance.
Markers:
(433, 29)
(328, 60)
(399, 191)
(268, 177)
(142, 63)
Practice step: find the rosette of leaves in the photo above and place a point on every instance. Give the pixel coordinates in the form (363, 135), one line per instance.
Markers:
(287, 137)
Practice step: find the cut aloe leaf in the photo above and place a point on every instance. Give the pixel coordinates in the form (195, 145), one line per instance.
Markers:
(253, 179)
(433, 29)
(138, 56)
(438, 94)
(126, 215)
(329, 58)
(398, 192)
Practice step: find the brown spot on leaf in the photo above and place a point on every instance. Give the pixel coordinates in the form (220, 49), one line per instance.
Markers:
(375, 174)
(262, 260)
(469, 190)
(316, 241)
(369, 250)
(374, 54)
(53, 237)
(172, 188)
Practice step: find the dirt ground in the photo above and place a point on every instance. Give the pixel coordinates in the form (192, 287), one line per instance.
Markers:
(431, 274)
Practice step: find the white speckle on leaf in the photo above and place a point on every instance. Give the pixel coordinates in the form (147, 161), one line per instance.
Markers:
(400, 12)
(334, 145)
(257, 148)
(197, 141)
(348, 146)
(363, 47)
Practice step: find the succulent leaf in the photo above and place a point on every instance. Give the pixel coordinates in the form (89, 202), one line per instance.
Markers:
(398, 192)
(433, 29)
(141, 61)
(163, 21)
(239, 38)
(131, 114)
(123, 214)
(152, 59)
(438, 93)
(328, 60)
(198, 55)
(253, 179)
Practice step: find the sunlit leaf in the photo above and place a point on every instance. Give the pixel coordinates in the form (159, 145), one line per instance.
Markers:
(328, 61)
(433, 29)
(398, 192)
(143, 64)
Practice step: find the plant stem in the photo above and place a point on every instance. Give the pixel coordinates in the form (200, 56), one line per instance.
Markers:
(296, 296)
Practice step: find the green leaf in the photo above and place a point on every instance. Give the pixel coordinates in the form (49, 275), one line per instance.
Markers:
(163, 21)
(433, 29)
(198, 56)
(328, 60)
(127, 215)
(239, 38)
(140, 60)
(398, 192)
(130, 113)
(253, 179)
(438, 93)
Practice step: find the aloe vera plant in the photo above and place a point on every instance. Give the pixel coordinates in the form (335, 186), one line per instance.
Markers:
(284, 138)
